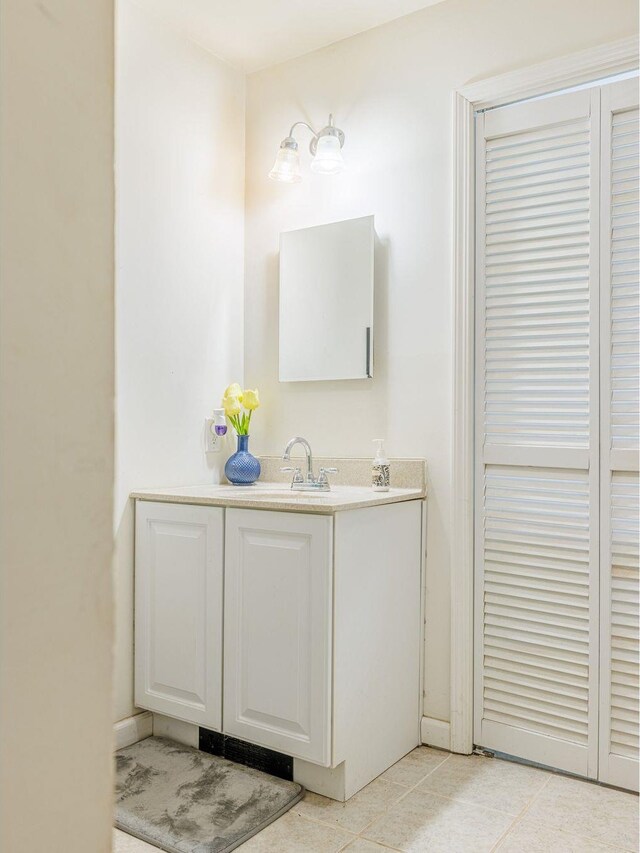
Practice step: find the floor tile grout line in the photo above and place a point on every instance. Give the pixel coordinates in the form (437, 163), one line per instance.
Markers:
(475, 804)
(506, 833)
(329, 824)
(613, 847)
(551, 826)
(518, 817)
(552, 775)
(337, 825)
(332, 825)
(382, 814)
(406, 793)
(571, 833)
(387, 782)
(379, 843)
(422, 778)
(515, 817)
(464, 802)
(357, 838)
(354, 836)
(559, 775)
(407, 790)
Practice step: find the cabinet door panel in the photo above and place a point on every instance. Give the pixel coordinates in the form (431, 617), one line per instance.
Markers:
(178, 668)
(278, 631)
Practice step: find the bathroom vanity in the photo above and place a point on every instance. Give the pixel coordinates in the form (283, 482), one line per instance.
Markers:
(290, 621)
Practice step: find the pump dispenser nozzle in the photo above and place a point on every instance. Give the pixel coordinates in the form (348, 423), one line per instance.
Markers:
(380, 449)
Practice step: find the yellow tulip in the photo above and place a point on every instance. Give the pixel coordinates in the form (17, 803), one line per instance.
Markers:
(250, 399)
(234, 390)
(232, 406)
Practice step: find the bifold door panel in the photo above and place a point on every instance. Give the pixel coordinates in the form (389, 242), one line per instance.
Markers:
(556, 380)
(620, 379)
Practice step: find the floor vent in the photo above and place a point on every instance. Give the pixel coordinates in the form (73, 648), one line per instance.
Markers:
(274, 763)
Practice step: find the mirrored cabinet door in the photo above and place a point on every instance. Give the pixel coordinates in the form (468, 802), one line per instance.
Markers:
(326, 301)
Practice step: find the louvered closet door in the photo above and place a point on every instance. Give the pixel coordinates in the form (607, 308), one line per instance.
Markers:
(537, 431)
(620, 377)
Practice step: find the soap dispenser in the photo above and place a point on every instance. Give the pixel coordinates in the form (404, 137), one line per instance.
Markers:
(380, 468)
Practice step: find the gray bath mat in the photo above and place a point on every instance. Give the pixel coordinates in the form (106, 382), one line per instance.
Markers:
(187, 801)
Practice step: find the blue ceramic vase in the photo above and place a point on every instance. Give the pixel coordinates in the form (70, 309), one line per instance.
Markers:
(242, 469)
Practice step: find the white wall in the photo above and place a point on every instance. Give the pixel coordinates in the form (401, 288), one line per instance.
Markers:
(390, 91)
(56, 421)
(180, 197)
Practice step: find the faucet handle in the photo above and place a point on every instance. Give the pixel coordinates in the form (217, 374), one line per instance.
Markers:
(322, 476)
(297, 475)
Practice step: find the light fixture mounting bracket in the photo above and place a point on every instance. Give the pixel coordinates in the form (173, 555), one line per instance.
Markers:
(289, 142)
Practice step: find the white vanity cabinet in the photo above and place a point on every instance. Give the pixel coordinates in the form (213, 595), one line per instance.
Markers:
(318, 632)
(277, 632)
(178, 611)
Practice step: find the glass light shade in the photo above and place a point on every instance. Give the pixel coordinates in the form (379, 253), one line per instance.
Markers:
(287, 166)
(328, 159)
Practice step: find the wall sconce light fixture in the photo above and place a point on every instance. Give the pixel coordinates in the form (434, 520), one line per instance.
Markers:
(325, 147)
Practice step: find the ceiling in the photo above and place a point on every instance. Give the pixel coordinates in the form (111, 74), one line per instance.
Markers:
(253, 34)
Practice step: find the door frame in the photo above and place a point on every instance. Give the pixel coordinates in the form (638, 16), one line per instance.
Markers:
(573, 70)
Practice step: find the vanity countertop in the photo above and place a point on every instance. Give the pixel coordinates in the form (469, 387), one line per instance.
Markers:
(279, 496)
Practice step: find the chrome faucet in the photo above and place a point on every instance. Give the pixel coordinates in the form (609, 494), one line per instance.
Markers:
(286, 456)
(309, 483)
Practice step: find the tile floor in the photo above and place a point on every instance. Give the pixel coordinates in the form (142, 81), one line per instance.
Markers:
(433, 801)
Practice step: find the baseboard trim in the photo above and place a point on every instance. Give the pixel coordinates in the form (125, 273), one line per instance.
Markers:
(132, 729)
(435, 733)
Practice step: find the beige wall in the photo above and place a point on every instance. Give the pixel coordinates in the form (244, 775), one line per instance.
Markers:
(56, 363)
(179, 250)
(390, 90)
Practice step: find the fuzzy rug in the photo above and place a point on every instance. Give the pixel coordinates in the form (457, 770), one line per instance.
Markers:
(187, 801)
